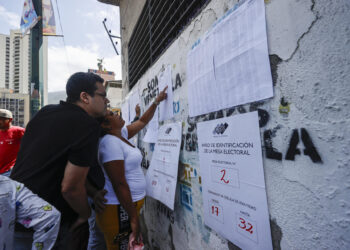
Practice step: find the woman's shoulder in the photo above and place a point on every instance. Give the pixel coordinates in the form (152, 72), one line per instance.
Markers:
(107, 139)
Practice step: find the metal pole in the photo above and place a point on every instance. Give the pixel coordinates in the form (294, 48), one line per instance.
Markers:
(110, 36)
(36, 88)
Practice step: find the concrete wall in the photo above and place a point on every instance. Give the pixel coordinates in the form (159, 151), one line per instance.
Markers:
(308, 191)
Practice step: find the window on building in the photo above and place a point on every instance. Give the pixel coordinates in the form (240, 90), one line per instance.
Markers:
(158, 25)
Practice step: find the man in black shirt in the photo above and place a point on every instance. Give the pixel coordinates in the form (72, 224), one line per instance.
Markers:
(58, 148)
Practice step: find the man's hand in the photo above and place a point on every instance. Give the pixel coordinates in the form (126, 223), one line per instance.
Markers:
(99, 200)
(137, 110)
(162, 95)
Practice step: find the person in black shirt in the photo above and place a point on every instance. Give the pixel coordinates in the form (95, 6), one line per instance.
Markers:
(58, 148)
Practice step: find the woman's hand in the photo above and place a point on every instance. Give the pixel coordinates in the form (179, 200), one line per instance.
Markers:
(133, 245)
(162, 95)
(135, 228)
(136, 126)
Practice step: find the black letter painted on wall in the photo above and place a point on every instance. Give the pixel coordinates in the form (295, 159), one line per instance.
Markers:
(270, 151)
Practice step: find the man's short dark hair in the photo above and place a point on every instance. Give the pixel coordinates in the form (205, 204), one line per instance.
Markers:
(81, 82)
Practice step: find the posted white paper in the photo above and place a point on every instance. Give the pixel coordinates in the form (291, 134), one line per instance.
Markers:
(234, 194)
(166, 106)
(152, 128)
(125, 111)
(133, 101)
(161, 177)
(230, 66)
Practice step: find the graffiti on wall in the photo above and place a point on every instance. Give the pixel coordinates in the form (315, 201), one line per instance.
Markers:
(164, 210)
(270, 151)
(186, 196)
(310, 149)
(151, 91)
(284, 108)
(186, 174)
(178, 82)
(191, 140)
(145, 161)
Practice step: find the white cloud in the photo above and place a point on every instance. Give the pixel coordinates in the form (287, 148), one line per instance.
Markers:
(10, 18)
(99, 15)
(112, 16)
(79, 59)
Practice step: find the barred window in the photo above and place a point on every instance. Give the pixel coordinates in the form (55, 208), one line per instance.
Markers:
(160, 22)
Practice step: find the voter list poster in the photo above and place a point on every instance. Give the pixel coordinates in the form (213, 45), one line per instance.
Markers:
(234, 194)
(161, 177)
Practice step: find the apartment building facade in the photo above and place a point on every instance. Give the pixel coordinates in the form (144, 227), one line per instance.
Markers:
(15, 71)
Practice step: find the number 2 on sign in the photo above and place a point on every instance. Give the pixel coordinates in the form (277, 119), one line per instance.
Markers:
(223, 175)
(243, 225)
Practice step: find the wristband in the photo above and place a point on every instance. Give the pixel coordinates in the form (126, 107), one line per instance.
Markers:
(155, 102)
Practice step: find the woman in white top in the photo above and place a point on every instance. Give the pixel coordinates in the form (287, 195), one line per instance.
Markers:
(124, 179)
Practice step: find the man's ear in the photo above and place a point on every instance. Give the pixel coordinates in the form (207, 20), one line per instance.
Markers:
(10, 120)
(84, 97)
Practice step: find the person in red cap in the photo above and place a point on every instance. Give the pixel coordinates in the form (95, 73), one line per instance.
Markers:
(10, 139)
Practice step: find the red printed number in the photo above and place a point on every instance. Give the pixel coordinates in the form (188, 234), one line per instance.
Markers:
(215, 210)
(243, 225)
(154, 183)
(223, 175)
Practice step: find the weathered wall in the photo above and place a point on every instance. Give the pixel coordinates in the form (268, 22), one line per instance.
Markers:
(304, 129)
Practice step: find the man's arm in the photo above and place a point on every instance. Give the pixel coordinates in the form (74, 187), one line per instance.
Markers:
(73, 189)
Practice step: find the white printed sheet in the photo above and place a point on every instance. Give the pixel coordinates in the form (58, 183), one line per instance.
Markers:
(234, 194)
(152, 128)
(161, 177)
(166, 106)
(133, 101)
(125, 111)
(230, 66)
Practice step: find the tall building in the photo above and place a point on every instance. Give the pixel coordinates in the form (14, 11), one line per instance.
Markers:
(15, 63)
(4, 61)
(18, 104)
(15, 75)
(20, 61)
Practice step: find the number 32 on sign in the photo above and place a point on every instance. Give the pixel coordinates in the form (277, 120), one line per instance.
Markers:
(246, 227)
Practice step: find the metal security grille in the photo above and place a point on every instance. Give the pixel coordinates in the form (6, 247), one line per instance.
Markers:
(160, 22)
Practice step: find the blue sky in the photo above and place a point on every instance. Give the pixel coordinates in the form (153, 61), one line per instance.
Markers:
(84, 35)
